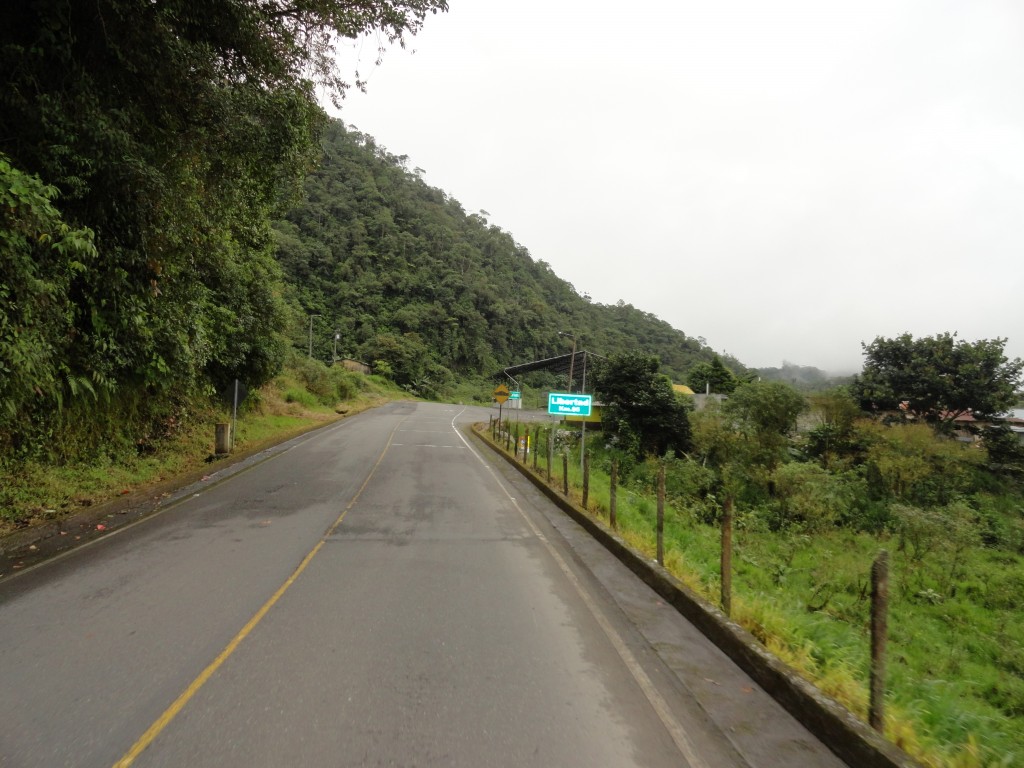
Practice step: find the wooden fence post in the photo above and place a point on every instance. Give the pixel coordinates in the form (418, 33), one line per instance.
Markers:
(515, 449)
(661, 513)
(727, 556)
(612, 487)
(879, 632)
(536, 443)
(565, 474)
(586, 479)
(551, 452)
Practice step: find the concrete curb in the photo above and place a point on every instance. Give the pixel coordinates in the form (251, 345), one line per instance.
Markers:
(838, 728)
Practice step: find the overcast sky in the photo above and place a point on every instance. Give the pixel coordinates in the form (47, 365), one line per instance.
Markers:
(786, 179)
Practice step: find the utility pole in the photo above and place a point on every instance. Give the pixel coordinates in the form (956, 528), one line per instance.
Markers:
(572, 360)
(334, 355)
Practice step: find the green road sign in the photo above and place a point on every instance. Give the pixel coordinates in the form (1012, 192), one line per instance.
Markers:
(514, 395)
(566, 404)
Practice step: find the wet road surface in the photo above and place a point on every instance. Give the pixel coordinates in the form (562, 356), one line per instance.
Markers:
(380, 593)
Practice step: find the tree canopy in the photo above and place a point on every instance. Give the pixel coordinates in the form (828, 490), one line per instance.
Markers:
(640, 408)
(937, 378)
(713, 377)
(407, 276)
(146, 149)
(765, 413)
(170, 131)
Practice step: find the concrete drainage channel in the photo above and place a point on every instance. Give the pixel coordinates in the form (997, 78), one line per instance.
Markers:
(847, 736)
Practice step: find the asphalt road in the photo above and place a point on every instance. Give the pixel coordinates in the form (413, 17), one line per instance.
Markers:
(378, 594)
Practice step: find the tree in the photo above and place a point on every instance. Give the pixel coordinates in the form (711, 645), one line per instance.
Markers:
(765, 413)
(713, 377)
(912, 464)
(832, 437)
(38, 255)
(640, 407)
(406, 357)
(937, 378)
(172, 131)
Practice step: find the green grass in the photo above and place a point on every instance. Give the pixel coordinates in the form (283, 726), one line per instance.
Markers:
(32, 492)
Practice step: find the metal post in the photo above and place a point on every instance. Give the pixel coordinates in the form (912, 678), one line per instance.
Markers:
(583, 424)
(565, 474)
(572, 362)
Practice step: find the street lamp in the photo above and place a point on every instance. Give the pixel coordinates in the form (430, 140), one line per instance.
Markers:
(572, 360)
(311, 334)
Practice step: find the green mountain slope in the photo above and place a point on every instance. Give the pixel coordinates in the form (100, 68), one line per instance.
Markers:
(406, 276)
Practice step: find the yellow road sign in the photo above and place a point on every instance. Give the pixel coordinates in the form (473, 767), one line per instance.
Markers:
(501, 393)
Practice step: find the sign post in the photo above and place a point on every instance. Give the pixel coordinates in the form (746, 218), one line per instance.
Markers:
(501, 394)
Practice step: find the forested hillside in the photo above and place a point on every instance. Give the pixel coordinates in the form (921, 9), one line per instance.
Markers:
(145, 150)
(406, 276)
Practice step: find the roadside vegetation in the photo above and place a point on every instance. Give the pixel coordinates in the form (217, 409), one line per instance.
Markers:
(812, 506)
(178, 213)
(55, 484)
(955, 691)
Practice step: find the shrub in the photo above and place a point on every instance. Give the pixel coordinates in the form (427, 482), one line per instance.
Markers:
(913, 465)
(300, 396)
(810, 495)
(685, 478)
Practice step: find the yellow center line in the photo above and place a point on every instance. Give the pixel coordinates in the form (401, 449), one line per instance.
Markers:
(172, 711)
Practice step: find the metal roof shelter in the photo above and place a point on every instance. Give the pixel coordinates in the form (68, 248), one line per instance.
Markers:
(561, 365)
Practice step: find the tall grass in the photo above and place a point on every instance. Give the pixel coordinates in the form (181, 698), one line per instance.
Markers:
(306, 394)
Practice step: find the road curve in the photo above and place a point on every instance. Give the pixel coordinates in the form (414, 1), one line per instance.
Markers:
(378, 594)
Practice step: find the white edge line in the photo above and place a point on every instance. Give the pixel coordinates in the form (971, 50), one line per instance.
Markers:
(656, 700)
